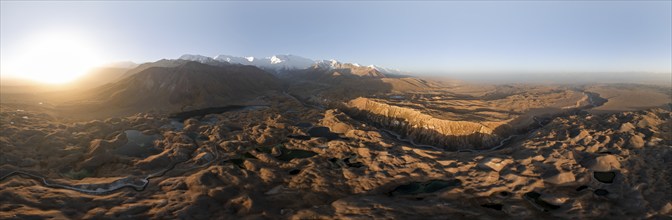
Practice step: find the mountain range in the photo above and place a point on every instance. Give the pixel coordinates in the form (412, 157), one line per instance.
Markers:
(280, 64)
(195, 81)
(181, 83)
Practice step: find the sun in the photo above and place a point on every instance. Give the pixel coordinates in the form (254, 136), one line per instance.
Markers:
(55, 58)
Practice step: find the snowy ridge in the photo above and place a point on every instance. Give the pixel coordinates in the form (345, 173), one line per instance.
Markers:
(388, 70)
(281, 63)
(276, 63)
(197, 58)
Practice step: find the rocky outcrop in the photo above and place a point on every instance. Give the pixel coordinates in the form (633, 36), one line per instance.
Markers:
(356, 70)
(238, 164)
(424, 128)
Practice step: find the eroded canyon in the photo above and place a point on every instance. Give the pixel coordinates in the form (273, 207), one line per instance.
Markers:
(352, 145)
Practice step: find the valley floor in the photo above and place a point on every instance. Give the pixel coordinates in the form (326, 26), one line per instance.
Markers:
(296, 157)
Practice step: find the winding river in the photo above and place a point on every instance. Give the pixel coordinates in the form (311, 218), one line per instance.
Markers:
(594, 100)
(140, 183)
(133, 182)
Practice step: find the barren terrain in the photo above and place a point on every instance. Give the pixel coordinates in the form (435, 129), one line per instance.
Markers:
(336, 146)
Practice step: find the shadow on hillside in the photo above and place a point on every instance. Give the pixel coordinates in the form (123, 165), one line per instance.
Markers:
(522, 124)
(335, 88)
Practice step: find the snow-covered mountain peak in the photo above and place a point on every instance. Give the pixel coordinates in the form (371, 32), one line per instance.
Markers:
(197, 58)
(276, 60)
(281, 63)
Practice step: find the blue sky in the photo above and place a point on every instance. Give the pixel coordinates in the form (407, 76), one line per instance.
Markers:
(451, 36)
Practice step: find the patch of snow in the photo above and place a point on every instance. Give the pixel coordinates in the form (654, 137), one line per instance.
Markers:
(281, 63)
(197, 58)
(275, 60)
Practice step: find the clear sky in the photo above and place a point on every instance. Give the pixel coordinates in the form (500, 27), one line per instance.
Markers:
(441, 36)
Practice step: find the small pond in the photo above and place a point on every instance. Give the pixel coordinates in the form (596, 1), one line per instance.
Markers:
(138, 144)
(322, 132)
(431, 186)
(535, 199)
(605, 177)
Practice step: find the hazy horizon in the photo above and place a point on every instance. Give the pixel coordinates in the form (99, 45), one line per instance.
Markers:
(419, 37)
(435, 109)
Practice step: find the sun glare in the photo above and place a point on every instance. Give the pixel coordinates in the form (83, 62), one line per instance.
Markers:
(55, 58)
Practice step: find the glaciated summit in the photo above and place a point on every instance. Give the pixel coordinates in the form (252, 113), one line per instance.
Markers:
(288, 62)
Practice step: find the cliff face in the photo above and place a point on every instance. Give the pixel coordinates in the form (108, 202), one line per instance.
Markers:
(424, 128)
